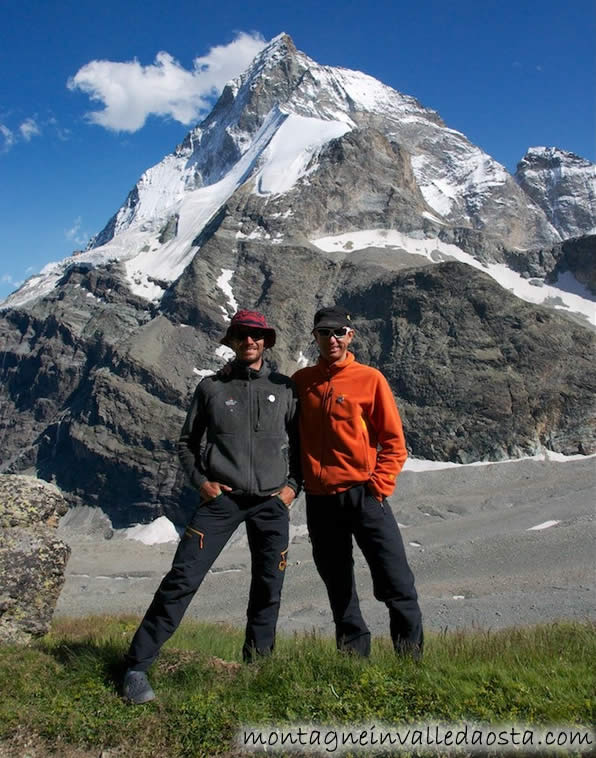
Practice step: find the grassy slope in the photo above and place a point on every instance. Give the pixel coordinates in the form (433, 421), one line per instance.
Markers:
(64, 689)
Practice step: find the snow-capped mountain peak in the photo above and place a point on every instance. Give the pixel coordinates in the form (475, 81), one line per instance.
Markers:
(269, 142)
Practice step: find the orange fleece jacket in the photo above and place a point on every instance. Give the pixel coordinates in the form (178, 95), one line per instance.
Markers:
(350, 429)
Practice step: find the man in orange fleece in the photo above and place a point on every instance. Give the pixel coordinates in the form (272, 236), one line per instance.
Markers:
(353, 448)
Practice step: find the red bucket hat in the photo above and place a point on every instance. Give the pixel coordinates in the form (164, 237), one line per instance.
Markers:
(249, 320)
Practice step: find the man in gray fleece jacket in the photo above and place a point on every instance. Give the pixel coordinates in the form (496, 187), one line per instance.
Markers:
(239, 447)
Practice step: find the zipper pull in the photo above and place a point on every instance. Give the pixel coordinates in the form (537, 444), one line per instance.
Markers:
(329, 396)
(257, 406)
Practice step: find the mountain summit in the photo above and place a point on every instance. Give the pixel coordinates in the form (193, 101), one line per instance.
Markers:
(308, 184)
(273, 137)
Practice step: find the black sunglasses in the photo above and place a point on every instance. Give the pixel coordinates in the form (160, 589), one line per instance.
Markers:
(241, 334)
(338, 331)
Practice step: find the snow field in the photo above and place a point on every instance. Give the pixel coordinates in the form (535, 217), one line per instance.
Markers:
(571, 296)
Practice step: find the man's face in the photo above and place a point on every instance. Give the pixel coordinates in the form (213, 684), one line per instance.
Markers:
(333, 342)
(249, 345)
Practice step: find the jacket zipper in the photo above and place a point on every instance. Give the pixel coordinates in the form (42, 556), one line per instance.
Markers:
(250, 436)
(325, 407)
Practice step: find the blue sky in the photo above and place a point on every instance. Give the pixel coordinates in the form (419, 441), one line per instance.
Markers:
(509, 74)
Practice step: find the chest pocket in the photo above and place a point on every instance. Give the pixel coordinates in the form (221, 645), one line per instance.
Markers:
(270, 412)
(343, 409)
(228, 413)
(351, 431)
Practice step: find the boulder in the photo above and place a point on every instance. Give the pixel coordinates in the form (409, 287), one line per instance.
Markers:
(32, 559)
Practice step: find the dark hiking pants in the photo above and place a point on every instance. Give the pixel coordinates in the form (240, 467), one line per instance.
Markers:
(332, 520)
(267, 528)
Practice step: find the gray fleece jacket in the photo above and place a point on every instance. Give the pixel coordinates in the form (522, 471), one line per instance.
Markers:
(242, 430)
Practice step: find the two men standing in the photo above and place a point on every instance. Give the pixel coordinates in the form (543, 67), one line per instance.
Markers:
(352, 449)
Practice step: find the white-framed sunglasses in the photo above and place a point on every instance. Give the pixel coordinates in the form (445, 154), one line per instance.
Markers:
(338, 332)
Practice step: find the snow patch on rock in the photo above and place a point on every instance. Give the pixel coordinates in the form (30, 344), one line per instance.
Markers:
(158, 531)
(568, 298)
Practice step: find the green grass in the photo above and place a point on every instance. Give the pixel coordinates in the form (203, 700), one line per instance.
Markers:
(64, 688)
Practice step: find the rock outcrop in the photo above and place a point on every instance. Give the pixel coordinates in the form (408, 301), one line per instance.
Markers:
(576, 256)
(32, 559)
(563, 185)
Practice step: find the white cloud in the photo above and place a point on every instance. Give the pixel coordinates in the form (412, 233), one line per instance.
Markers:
(25, 132)
(9, 138)
(8, 279)
(61, 132)
(29, 129)
(75, 234)
(131, 92)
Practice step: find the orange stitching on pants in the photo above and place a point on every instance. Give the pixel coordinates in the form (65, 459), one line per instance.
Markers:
(195, 531)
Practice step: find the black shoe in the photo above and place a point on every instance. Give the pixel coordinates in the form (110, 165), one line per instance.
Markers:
(356, 645)
(411, 650)
(136, 688)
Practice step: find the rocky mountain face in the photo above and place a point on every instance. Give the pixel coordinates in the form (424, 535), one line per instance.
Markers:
(305, 185)
(563, 185)
(472, 363)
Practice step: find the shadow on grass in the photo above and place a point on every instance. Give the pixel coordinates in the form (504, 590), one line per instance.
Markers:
(103, 660)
